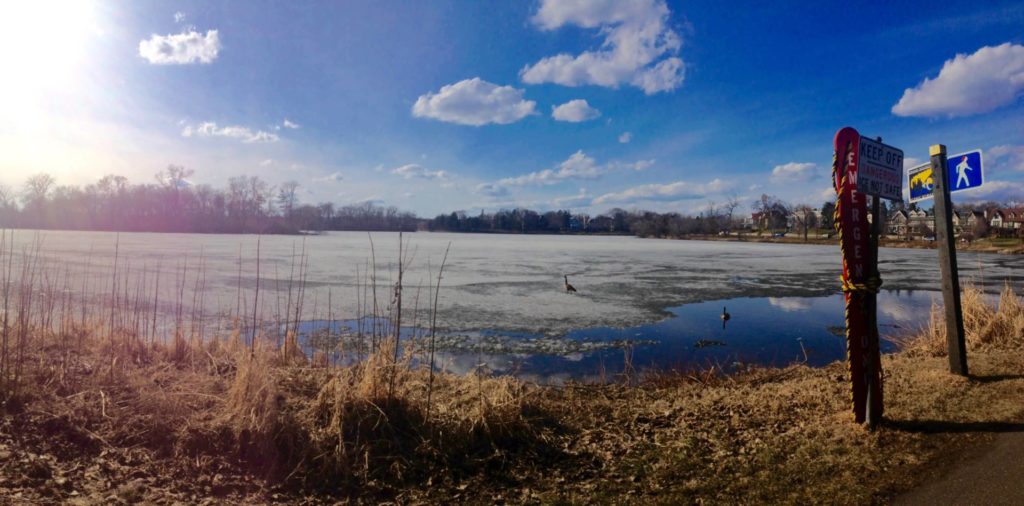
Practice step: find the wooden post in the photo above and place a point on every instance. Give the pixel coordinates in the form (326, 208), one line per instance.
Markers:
(946, 242)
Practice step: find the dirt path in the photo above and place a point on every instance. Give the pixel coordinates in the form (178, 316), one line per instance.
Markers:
(992, 475)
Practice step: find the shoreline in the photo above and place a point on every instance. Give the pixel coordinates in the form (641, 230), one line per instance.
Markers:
(95, 420)
(979, 246)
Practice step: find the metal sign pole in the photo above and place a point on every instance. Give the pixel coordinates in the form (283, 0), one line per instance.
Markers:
(873, 359)
(946, 241)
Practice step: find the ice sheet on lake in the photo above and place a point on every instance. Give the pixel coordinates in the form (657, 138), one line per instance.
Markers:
(505, 282)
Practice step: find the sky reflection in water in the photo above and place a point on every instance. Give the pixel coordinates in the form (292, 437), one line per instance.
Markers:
(764, 331)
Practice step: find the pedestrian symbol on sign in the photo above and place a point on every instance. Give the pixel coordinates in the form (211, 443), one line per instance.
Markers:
(961, 171)
(965, 171)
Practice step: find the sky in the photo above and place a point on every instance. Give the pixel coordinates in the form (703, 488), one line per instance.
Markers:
(550, 104)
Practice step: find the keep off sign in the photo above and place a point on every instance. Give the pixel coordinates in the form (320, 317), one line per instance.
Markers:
(880, 170)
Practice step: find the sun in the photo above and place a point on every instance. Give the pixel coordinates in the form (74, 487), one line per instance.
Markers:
(44, 46)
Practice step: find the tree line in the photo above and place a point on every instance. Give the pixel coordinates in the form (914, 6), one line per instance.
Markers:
(249, 204)
(173, 204)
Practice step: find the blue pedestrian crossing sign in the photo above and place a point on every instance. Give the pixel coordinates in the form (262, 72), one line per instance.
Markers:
(965, 171)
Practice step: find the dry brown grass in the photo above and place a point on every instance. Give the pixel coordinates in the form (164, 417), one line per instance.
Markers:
(985, 326)
(242, 424)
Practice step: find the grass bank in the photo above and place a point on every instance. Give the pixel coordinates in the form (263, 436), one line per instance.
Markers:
(987, 245)
(100, 423)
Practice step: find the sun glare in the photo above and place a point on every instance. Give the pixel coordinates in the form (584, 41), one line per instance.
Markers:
(44, 45)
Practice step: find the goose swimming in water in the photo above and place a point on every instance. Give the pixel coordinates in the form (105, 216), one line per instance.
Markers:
(725, 316)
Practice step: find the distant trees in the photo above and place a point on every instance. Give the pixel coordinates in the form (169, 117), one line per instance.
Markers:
(712, 221)
(828, 210)
(804, 218)
(174, 204)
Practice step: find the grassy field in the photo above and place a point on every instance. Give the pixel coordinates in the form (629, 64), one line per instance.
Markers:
(95, 420)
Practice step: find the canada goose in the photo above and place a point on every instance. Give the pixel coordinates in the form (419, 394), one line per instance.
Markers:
(725, 316)
(569, 288)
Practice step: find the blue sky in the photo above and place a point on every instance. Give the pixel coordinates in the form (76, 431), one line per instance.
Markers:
(437, 106)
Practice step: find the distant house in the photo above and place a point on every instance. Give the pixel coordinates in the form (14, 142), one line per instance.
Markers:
(996, 219)
(959, 221)
(1013, 218)
(975, 218)
(756, 220)
(920, 222)
(898, 222)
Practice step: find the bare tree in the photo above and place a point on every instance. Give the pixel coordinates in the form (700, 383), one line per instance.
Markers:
(7, 199)
(728, 210)
(287, 197)
(36, 189)
(805, 219)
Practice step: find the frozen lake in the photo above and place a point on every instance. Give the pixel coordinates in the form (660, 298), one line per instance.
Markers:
(510, 284)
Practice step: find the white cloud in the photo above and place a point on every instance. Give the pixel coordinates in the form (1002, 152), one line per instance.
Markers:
(638, 165)
(1005, 158)
(577, 166)
(790, 304)
(794, 171)
(909, 162)
(179, 17)
(679, 190)
(210, 129)
(574, 111)
(181, 48)
(581, 199)
(333, 177)
(625, 137)
(412, 170)
(829, 195)
(491, 190)
(667, 75)
(266, 163)
(474, 102)
(636, 35)
(968, 84)
(1001, 191)
(290, 125)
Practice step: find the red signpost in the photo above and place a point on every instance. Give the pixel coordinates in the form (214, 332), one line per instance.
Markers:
(860, 280)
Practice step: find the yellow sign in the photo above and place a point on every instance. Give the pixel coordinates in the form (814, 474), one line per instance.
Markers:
(921, 183)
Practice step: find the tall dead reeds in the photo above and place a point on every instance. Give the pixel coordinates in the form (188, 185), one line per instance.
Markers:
(986, 325)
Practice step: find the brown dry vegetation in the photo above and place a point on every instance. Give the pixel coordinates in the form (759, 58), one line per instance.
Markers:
(95, 416)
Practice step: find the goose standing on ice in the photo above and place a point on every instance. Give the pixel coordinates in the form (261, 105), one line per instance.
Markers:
(568, 288)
